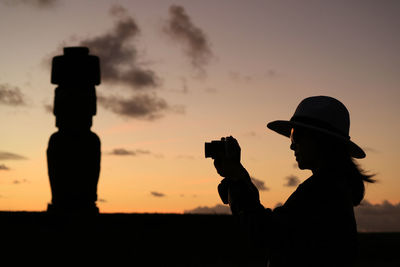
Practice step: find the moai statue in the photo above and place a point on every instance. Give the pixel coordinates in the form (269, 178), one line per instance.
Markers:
(73, 154)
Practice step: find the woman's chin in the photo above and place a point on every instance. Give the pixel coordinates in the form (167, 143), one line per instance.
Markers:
(302, 166)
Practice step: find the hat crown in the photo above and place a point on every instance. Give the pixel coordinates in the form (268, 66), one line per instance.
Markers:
(325, 111)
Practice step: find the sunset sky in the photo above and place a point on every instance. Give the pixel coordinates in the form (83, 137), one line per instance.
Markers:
(209, 69)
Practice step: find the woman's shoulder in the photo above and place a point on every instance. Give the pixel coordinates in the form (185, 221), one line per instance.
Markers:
(320, 189)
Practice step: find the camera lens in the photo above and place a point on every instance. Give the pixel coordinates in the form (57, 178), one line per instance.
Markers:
(208, 150)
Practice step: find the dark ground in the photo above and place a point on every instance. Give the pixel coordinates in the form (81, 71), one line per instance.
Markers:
(150, 240)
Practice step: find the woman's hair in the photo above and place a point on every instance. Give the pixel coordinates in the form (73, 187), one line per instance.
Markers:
(355, 175)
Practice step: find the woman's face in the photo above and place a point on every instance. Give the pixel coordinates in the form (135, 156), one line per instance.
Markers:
(307, 148)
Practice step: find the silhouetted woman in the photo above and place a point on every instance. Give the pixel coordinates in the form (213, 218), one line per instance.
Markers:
(316, 225)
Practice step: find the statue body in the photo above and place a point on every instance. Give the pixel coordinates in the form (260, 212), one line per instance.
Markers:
(74, 151)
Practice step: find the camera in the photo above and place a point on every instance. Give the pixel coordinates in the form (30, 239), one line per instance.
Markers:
(214, 149)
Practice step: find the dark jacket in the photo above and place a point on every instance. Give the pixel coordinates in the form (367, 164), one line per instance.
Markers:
(315, 226)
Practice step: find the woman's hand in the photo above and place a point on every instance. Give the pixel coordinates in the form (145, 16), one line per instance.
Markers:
(228, 163)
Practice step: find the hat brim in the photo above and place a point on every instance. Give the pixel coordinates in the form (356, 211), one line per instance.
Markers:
(284, 128)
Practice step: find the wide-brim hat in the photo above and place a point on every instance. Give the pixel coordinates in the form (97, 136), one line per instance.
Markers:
(325, 115)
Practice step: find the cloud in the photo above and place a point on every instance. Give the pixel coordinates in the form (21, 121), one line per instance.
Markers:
(384, 217)
(141, 106)
(124, 152)
(20, 181)
(10, 156)
(159, 156)
(217, 209)
(292, 181)
(4, 167)
(157, 194)
(118, 11)
(250, 134)
(238, 77)
(121, 65)
(118, 57)
(185, 88)
(271, 73)
(34, 3)
(259, 184)
(180, 28)
(11, 95)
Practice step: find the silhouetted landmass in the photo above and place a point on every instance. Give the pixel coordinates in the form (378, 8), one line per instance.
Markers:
(151, 240)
